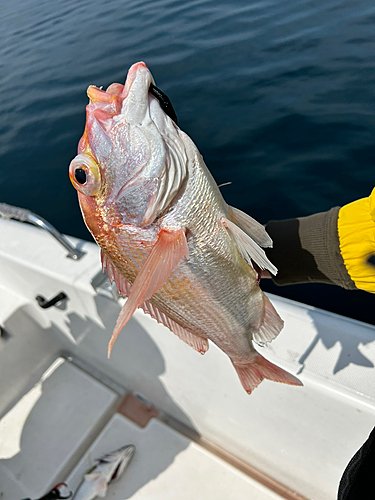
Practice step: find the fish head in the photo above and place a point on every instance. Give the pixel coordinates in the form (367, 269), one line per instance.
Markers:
(118, 461)
(131, 163)
(126, 454)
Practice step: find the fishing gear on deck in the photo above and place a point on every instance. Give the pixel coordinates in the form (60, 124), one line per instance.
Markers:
(55, 493)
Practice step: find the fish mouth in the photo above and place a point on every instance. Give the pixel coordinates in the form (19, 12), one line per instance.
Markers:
(132, 98)
(117, 90)
(127, 452)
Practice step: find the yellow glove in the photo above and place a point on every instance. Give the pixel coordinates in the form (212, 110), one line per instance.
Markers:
(356, 227)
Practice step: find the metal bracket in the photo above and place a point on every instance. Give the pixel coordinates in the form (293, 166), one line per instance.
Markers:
(45, 304)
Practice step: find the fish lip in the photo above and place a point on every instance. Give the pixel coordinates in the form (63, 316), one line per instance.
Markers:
(133, 72)
(152, 90)
(136, 97)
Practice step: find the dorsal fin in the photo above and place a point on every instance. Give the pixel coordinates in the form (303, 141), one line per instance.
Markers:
(271, 325)
(248, 248)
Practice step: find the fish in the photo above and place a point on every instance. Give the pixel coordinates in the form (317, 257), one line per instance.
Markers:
(168, 239)
(109, 468)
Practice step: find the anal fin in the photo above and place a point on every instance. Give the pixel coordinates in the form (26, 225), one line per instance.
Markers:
(190, 338)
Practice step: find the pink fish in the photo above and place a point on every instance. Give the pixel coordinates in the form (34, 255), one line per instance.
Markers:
(168, 239)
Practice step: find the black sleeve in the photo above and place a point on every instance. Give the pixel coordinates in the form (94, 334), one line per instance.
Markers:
(358, 480)
(307, 250)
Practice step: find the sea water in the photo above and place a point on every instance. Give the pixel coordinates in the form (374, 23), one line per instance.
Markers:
(277, 94)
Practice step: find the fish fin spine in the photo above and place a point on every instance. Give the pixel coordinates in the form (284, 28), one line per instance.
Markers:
(271, 325)
(251, 374)
(190, 338)
(248, 248)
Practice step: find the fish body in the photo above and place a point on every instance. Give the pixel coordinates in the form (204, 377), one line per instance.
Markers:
(169, 240)
(109, 468)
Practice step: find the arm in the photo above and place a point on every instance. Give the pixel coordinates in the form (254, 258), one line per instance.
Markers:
(329, 247)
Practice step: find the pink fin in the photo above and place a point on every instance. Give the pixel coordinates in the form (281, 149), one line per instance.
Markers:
(167, 252)
(193, 340)
(92, 476)
(251, 374)
(114, 275)
(271, 326)
(101, 487)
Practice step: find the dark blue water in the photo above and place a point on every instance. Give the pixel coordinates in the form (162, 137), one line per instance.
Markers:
(277, 94)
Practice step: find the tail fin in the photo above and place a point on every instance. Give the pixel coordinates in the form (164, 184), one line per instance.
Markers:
(251, 374)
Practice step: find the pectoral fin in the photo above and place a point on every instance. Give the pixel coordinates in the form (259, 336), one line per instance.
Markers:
(92, 476)
(251, 227)
(248, 248)
(101, 488)
(167, 252)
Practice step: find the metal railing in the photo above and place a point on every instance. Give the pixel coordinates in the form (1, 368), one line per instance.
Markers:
(24, 215)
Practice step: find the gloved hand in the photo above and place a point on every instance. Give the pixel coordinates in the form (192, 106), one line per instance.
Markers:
(356, 228)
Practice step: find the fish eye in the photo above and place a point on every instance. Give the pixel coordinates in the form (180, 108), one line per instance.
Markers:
(84, 174)
(80, 175)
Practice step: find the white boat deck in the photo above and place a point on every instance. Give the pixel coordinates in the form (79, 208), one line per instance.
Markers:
(62, 417)
(167, 465)
(57, 420)
(60, 395)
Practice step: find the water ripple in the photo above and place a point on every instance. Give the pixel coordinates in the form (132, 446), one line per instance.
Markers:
(278, 94)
